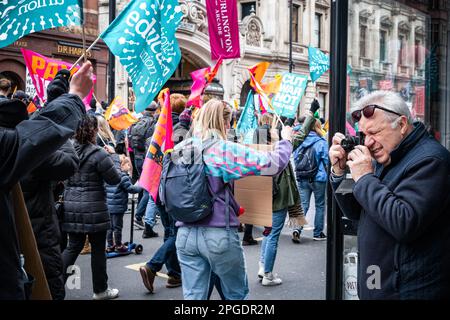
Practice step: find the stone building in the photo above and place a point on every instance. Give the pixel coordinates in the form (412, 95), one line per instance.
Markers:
(264, 36)
(63, 43)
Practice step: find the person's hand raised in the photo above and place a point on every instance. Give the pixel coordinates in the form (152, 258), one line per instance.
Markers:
(81, 82)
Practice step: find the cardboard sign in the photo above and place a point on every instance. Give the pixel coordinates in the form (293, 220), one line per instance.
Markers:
(254, 194)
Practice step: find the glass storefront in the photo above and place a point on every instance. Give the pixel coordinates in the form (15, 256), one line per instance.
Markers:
(388, 45)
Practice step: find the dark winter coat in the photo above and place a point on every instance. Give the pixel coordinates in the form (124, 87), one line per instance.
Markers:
(117, 195)
(404, 222)
(85, 209)
(21, 150)
(38, 194)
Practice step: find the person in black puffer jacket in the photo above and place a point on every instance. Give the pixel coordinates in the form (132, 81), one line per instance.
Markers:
(37, 190)
(85, 209)
(24, 146)
(117, 200)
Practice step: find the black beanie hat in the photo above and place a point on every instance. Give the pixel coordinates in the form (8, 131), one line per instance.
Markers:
(59, 85)
(12, 112)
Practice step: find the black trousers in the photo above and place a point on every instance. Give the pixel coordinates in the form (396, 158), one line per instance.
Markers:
(98, 257)
(114, 235)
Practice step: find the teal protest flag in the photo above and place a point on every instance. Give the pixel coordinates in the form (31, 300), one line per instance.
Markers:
(319, 63)
(247, 122)
(19, 18)
(143, 38)
(289, 95)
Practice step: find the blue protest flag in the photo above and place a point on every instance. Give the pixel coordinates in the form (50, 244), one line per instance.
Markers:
(247, 122)
(319, 63)
(19, 18)
(143, 38)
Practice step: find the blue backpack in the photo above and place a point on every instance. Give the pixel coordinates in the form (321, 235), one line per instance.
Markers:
(183, 189)
(306, 166)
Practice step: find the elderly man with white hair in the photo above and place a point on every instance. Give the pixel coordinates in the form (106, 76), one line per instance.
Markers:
(401, 200)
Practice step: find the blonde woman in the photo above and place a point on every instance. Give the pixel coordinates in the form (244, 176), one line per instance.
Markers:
(105, 135)
(212, 244)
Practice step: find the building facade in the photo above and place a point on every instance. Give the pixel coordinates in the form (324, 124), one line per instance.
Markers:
(64, 43)
(264, 36)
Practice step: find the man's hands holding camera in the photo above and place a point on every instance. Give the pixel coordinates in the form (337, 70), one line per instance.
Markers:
(359, 159)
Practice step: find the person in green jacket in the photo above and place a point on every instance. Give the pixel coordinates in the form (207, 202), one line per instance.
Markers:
(285, 195)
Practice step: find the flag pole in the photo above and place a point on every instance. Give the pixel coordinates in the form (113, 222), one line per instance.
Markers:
(83, 36)
(87, 50)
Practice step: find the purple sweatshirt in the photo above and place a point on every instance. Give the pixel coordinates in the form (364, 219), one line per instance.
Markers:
(226, 161)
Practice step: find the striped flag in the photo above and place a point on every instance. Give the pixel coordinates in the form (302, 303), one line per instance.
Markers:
(161, 143)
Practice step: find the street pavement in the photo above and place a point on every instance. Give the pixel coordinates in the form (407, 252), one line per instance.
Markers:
(300, 266)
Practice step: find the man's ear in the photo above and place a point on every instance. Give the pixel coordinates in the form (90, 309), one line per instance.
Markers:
(403, 123)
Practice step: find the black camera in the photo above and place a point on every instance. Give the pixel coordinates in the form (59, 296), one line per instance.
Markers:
(349, 143)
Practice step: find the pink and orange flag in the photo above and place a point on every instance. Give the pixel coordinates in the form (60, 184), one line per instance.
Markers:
(118, 115)
(161, 143)
(201, 78)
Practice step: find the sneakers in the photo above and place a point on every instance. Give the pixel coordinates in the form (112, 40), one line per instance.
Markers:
(271, 279)
(321, 237)
(173, 282)
(121, 249)
(296, 236)
(148, 277)
(106, 295)
(249, 242)
(139, 224)
(148, 232)
(261, 270)
(110, 249)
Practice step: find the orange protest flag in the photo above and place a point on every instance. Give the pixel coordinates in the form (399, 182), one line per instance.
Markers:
(258, 71)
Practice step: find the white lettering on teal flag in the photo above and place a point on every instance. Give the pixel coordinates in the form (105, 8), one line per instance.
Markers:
(19, 18)
(291, 91)
(319, 63)
(143, 38)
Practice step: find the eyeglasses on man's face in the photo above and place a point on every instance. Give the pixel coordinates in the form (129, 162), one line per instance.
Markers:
(368, 112)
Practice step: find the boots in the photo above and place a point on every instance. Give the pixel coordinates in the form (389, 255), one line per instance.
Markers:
(148, 232)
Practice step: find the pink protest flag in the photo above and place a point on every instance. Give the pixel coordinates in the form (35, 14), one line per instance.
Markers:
(223, 29)
(161, 143)
(43, 70)
(201, 78)
(87, 100)
(198, 86)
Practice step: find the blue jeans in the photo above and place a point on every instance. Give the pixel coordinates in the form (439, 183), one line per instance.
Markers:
(150, 212)
(142, 205)
(167, 253)
(319, 190)
(270, 243)
(202, 250)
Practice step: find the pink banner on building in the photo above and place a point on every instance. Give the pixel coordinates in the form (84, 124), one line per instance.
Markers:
(223, 29)
(43, 70)
(419, 105)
